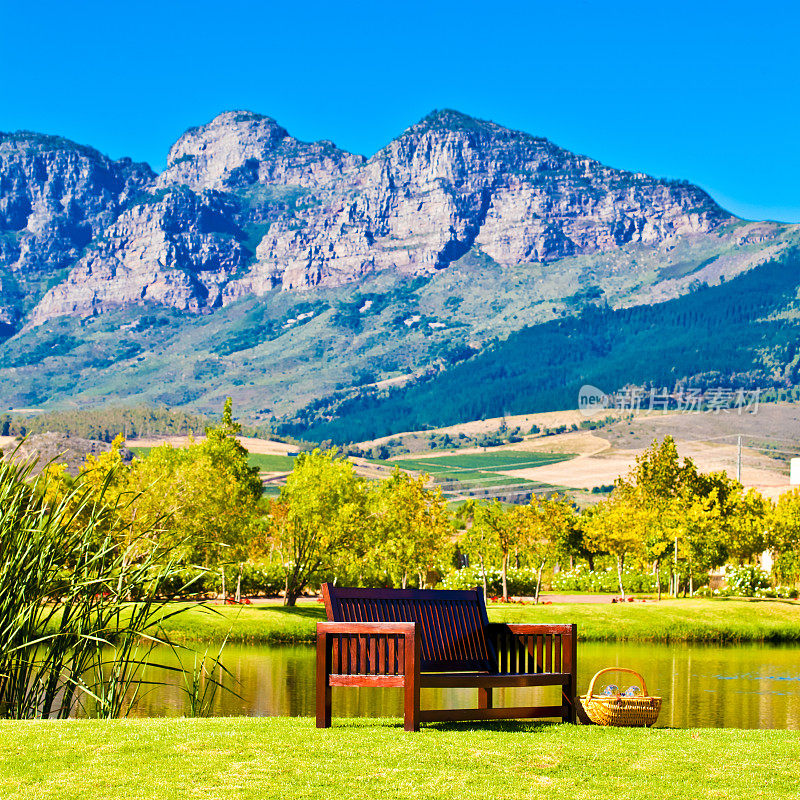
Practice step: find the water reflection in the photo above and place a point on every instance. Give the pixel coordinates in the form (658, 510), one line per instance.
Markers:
(752, 686)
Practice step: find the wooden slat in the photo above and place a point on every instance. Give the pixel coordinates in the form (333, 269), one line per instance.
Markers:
(336, 658)
(466, 646)
(463, 714)
(557, 653)
(372, 654)
(428, 635)
(530, 663)
(382, 643)
(451, 680)
(352, 657)
(362, 655)
(540, 654)
(366, 680)
(548, 653)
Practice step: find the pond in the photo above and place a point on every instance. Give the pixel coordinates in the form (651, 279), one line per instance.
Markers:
(748, 686)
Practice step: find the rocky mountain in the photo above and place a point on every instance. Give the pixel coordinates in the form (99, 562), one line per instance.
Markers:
(243, 208)
(56, 199)
(284, 272)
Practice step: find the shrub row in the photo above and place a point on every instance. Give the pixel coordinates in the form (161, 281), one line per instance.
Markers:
(521, 582)
(265, 580)
(582, 579)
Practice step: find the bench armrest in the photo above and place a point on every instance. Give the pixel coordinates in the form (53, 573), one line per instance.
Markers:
(363, 628)
(529, 629)
(380, 649)
(529, 648)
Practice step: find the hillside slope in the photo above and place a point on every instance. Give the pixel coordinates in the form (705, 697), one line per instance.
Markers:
(744, 333)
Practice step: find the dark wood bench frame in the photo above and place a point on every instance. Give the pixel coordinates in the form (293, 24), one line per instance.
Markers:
(411, 639)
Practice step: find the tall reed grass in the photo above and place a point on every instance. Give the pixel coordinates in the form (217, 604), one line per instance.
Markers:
(81, 598)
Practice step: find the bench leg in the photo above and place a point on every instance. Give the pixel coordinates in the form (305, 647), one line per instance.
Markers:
(323, 687)
(485, 698)
(411, 683)
(569, 700)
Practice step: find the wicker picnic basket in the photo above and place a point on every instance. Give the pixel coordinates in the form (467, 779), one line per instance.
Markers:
(619, 710)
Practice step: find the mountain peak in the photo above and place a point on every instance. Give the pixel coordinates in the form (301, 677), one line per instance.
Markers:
(451, 119)
(237, 117)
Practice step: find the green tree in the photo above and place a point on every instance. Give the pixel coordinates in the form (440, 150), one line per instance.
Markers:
(655, 497)
(615, 527)
(785, 536)
(547, 529)
(411, 525)
(496, 525)
(321, 514)
(205, 496)
(479, 542)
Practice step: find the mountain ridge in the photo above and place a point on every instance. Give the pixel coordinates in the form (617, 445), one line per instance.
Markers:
(280, 272)
(309, 214)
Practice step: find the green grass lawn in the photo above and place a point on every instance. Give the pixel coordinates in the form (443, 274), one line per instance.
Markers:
(668, 621)
(242, 758)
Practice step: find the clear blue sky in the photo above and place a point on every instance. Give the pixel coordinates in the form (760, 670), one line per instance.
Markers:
(708, 91)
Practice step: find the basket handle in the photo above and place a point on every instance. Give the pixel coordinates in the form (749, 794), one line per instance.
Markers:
(616, 669)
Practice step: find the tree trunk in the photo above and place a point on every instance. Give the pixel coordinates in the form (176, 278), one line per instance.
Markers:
(505, 576)
(538, 584)
(485, 586)
(658, 581)
(224, 593)
(404, 582)
(289, 594)
(239, 585)
(619, 576)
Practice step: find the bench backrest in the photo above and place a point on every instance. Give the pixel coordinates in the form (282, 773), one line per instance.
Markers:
(452, 623)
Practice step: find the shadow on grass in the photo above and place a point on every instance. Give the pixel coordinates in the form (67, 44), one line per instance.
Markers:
(504, 726)
(782, 600)
(305, 612)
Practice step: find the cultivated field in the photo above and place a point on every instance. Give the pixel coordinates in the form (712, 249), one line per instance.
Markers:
(769, 437)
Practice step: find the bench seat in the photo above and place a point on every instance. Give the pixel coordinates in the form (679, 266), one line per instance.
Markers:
(413, 639)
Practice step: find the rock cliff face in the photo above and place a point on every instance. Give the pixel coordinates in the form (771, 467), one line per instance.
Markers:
(56, 197)
(238, 149)
(243, 208)
(177, 248)
(451, 182)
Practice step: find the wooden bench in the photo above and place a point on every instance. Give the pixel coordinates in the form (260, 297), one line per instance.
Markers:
(414, 638)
